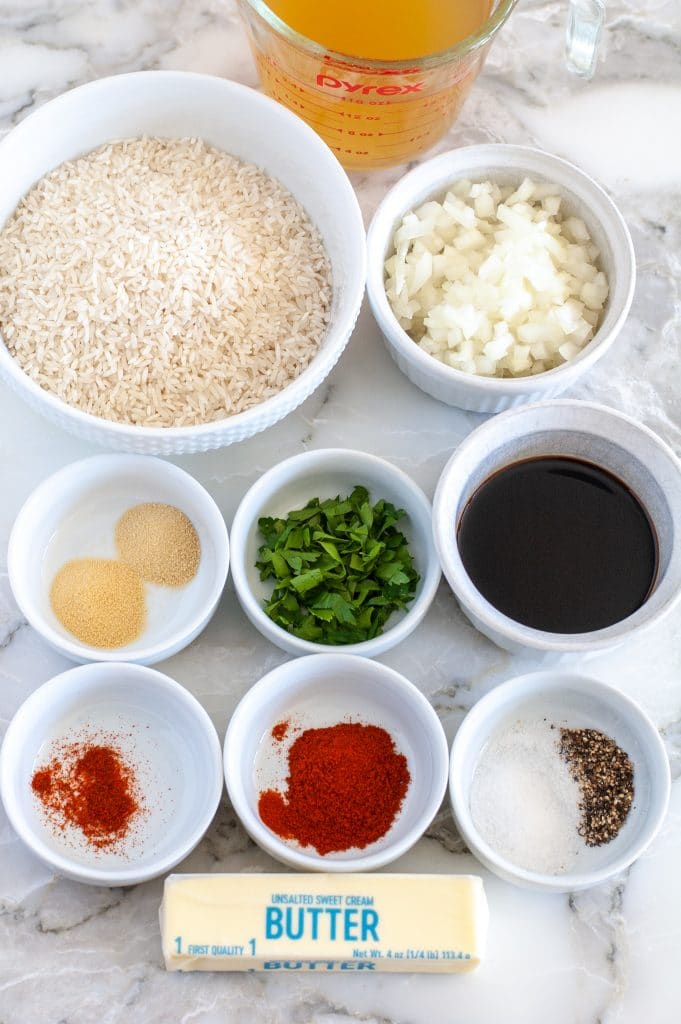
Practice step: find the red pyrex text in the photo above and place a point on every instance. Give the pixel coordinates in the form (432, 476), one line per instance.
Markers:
(329, 82)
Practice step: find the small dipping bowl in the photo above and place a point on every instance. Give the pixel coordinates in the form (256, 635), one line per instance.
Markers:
(504, 164)
(73, 514)
(165, 736)
(594, 433)
(575, 702)
(324, 474)
(322, 690)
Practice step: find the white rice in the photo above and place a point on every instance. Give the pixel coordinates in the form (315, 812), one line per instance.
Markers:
(162, 283)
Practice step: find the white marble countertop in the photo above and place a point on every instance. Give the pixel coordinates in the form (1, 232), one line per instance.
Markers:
(70, 954)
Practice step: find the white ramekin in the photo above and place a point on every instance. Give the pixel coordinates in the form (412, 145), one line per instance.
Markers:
(504, 164)
(179, 751)
(125, 480)
(629, 450)
(325, 473)
(240, 121)
(340, 687)
(576, 702)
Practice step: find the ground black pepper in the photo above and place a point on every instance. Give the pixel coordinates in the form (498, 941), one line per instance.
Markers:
(605, 776)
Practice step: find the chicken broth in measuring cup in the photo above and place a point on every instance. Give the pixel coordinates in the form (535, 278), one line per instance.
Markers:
(380, 82)
(384, 29)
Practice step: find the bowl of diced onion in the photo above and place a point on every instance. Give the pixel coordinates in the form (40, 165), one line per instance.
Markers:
(498, 275)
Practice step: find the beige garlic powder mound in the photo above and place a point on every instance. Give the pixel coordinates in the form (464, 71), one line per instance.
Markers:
(160, 543)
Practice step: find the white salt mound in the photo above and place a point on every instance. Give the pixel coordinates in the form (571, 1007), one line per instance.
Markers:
(524, 801)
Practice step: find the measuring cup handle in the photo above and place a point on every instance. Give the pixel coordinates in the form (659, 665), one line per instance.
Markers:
(584, 27)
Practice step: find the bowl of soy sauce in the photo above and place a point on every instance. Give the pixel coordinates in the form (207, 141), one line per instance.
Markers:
(558, 527)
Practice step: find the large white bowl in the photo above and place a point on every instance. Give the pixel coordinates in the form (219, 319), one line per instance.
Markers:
(504, 164)
(324, 474)
(324, 689)
(238, 120)
(576, 702)
(166, 735)
(595, 433)
(73, 514)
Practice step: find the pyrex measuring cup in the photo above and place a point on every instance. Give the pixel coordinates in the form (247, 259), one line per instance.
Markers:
(375, 113)
(372, 113)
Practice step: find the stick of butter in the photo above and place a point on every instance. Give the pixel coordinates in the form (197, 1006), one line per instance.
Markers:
(325, 922)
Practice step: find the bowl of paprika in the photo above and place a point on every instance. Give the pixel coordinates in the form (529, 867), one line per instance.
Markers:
(111, 773)
(334, 762)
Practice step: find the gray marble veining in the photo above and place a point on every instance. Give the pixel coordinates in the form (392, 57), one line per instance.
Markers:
(76, 955)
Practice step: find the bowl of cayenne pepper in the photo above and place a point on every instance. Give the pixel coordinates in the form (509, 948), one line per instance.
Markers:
(334, 762)
(111, 773)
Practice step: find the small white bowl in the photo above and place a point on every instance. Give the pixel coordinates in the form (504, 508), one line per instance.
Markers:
(242, 122)
(576, 702)
(164, 734)
(73, 514)
(319, 691)
(324, 474)
(629, 450)
(504, 164)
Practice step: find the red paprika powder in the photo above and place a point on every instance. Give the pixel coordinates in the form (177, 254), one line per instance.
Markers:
(88, 785)
(345, 787)
(279, 731)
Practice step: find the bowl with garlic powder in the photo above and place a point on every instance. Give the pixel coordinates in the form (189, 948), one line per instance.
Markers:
(119, 558)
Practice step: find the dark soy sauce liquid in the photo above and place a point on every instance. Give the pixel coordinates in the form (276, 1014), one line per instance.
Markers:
(558, 544)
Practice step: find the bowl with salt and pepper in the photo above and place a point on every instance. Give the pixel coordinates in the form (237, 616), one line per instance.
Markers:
(557, 781)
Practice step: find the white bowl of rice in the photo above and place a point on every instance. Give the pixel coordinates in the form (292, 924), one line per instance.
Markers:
(514, 275)
(182, 261)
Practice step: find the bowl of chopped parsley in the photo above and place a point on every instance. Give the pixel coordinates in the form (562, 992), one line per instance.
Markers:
(333, 549)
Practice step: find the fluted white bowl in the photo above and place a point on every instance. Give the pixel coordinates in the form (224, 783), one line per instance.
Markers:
(240, 121)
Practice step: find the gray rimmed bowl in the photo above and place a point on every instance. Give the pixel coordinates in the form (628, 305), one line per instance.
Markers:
(595, 433)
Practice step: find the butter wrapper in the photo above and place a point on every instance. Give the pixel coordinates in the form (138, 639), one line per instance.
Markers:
(323, 922)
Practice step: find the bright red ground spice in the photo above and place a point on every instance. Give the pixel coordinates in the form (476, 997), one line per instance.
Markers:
(279, 730)
(345, 787)
(91, 787)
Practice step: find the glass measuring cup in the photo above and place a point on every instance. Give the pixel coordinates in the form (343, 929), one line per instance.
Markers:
(372, 113)
(376, 113)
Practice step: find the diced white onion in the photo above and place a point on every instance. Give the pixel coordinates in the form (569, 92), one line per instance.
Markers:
(496, 280)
